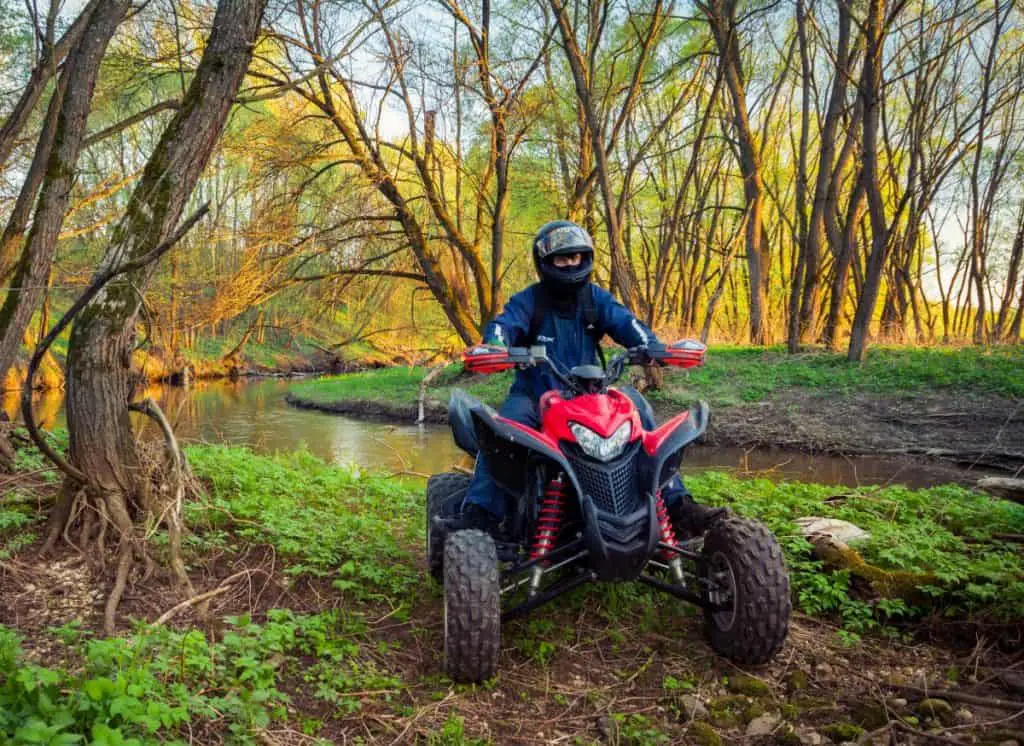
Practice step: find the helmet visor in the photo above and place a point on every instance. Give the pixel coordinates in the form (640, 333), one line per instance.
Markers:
(563, 239)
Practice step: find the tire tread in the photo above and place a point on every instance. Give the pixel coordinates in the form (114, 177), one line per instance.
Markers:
(762, 593)
(473, 606)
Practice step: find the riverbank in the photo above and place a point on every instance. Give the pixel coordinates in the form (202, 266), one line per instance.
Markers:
(964, 406)
(212, 360)
(324, 628)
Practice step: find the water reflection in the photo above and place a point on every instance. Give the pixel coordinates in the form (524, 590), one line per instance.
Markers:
(254, 413)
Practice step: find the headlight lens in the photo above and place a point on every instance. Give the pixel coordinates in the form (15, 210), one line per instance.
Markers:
(603, 449)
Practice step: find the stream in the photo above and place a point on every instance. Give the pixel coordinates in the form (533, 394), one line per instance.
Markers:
(253, 413)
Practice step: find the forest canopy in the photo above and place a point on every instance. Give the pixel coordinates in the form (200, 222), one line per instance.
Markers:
(810, 172)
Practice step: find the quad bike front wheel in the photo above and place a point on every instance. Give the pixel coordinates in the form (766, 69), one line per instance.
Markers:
(744, 574)
(445, 492)
(472, 606)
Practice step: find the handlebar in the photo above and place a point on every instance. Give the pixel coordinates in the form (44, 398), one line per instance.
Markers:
(487, 359)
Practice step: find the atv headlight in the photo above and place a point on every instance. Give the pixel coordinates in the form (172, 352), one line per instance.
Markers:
(603, 449)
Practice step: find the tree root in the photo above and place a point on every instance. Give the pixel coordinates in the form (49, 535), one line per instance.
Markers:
(124, 566)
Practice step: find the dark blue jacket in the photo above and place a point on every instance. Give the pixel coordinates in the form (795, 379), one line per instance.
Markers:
(564, 336)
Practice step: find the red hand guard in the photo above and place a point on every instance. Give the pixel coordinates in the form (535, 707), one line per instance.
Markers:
(487, 359)
(688, 353)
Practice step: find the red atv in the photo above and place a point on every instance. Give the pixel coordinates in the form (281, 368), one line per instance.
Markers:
(588, 507)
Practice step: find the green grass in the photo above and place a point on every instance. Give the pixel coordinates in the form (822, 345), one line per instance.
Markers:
(268, 354)
(400, 386)
(346, 525)
(735, 375)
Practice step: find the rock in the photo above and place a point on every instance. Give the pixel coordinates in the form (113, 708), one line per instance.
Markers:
(810, 737)
(964, 716)
(897, 704)
(752, 687)
(938, 709)
(823, 669)
(1007, 488)
(844, 531)
(762, 725)
(704, 735)
(693, 708)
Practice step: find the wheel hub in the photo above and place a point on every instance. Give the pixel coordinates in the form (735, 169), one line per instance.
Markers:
(722, 590)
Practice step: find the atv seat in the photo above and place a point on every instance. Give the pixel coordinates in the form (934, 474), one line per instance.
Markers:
(460, 419)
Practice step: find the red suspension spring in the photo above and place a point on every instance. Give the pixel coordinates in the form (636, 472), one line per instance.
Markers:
(668, 534)
(549, 520)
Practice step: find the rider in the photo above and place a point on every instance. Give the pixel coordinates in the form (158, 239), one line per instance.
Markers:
(568, 314)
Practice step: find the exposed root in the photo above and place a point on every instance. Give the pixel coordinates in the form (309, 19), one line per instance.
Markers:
(58, 519)
(124, 566)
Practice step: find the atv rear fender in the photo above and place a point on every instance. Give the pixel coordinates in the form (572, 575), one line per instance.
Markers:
(460, 405)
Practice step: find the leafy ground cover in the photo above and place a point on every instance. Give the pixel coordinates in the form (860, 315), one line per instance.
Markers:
(324, 627)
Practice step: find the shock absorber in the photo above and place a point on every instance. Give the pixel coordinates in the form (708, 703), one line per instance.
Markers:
(549, 521)
(668, 536)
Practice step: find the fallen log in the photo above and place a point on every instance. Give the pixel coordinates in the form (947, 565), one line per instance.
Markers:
(1007, 488)
(838, 555)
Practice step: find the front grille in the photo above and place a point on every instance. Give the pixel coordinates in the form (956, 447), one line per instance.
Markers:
(614, 486)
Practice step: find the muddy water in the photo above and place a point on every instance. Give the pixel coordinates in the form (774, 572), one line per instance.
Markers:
(254, 414)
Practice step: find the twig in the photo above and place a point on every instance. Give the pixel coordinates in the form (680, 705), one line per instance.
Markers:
(928, 737)
(222, 588)
(423, 711)
(971, 699)
(427, 380)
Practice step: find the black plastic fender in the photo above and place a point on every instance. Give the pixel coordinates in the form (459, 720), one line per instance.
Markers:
(665, 461)
(511, 452)
(460, 419)
(620, 545)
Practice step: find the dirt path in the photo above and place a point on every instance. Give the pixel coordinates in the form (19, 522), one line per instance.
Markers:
(970, 430)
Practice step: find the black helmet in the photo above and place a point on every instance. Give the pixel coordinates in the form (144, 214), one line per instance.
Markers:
(563, 237)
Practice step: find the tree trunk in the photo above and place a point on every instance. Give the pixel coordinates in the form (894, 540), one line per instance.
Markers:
(723, 26)
(1013, 270)
(99, 382)
(801, 271)
(36, 84)
(841, 271)
(823, 206)
(870, 92)
(623, 276)
(99, 350)
(69, 109)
